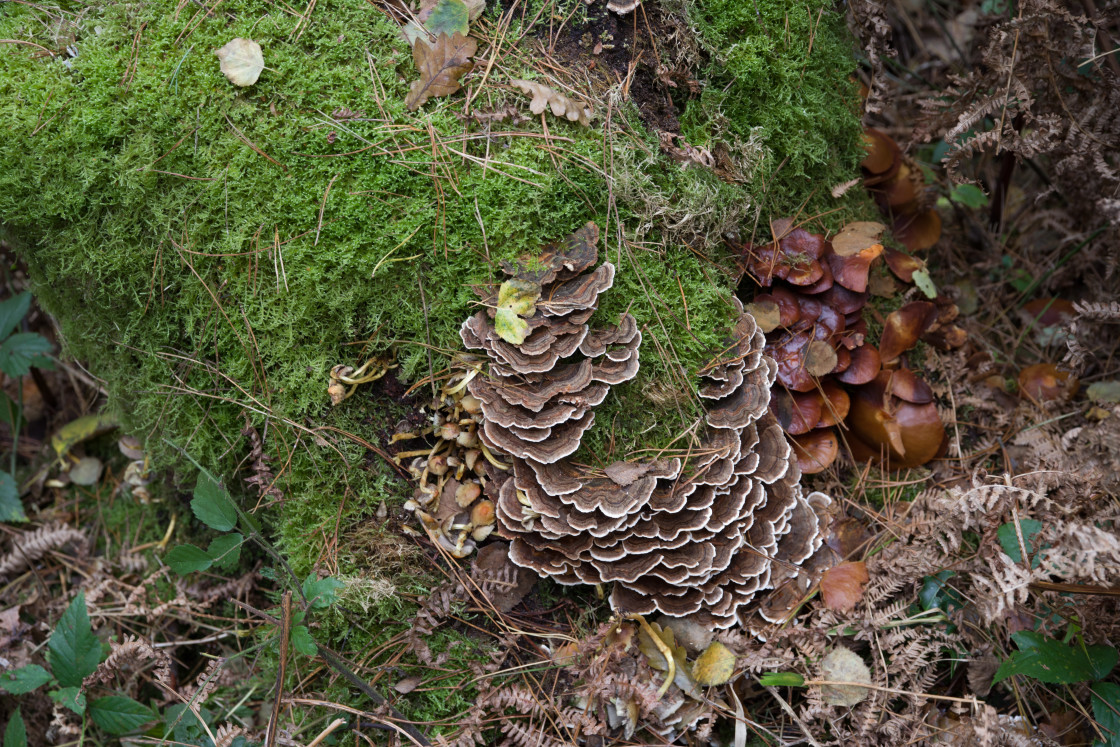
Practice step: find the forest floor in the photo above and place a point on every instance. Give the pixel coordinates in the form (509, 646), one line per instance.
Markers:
(983, 602)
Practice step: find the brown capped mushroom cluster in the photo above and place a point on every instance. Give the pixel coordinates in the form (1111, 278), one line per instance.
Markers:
(814, 293)
(812, 312)
(698, 534)
(896, 183)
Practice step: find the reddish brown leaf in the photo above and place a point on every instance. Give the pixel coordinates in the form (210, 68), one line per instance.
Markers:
(842, 585)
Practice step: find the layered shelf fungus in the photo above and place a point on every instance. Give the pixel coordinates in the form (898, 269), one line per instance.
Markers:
(701, 534)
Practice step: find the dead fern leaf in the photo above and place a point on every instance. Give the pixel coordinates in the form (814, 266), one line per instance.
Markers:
(441, 65)
(558, 103)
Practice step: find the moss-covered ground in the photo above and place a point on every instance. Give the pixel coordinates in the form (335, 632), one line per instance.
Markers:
(212, 251)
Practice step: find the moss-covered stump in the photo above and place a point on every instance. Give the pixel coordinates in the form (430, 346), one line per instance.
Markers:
(212, 251)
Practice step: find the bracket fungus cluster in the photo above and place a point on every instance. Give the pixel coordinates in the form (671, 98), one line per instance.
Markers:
(702, 533)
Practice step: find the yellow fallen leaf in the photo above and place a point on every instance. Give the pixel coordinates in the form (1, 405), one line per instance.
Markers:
(517, 298)
(79, 430)
(715, 666)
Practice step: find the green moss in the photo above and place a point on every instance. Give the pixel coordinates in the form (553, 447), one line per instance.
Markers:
(213, 251)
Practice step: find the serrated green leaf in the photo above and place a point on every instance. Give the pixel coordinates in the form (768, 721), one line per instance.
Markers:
(184, 559)
(70, 697)
(75, 650)
(23, 350)
(118, 714)
(225, 549)
(969, 195)
(321, 592)
(1009, 540)
(781, 679)
(212, 504)
(448, 17)
(924, 283)
(25, 679)
(1106, 712)
(15, 733)
(10, 507)
(1055, 663)
(302, 641)
(12, 311)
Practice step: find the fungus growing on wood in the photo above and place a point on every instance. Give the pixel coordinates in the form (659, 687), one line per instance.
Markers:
(702, 533)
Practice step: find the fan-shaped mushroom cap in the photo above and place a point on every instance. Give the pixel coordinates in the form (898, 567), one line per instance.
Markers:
(679, 536)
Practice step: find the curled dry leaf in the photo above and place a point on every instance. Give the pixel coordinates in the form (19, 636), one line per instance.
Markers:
(842, 585)
(441, 65)
(560, 105)
(844, 665)
(715, 666)
(241, 61)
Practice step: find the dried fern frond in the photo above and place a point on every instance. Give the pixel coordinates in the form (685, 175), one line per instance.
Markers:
(29, 547)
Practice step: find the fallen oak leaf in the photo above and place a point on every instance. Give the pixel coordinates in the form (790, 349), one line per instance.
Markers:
(842, 585)
(441, 65)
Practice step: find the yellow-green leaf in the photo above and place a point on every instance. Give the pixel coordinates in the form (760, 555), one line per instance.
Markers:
(516, 298)
(80, 430)
(715, 666)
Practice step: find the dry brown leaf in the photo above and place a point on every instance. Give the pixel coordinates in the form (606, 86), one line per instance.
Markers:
(855, 237)
(407, 685)
(842, 585)
(558, 103)
(820, 358)
(441, 65)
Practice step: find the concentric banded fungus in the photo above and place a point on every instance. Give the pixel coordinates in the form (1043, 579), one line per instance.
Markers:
(700, 534)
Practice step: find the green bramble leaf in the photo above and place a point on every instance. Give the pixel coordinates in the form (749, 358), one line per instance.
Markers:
(10, 507)
(1106, 712)
(212, 504)
(225, 550)
(24, 680)
(302, 640)
(71, 697)
(1009, 540)
(969, 195)
(321, 592)
(23, 350)
(118, 714)
(1055, 663)
(75, 650)
(12, 311)
(15, 733)
(184, 559)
